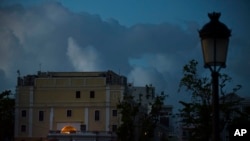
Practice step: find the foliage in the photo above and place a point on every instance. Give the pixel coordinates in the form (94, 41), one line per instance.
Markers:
(197, 114)
(149, 121)
(129, 110)
(137, 123)
(6, 115)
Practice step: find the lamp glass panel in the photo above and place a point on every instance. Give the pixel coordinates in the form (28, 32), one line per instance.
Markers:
(214, 51)
(208, 50)
(221, 49)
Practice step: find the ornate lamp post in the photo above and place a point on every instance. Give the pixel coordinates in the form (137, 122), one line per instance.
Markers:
(214, 41)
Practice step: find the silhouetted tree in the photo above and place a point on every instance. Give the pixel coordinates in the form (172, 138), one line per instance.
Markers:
(150, 121)
(128, 109)
(6, 116)
(137, 123)
(197, 114)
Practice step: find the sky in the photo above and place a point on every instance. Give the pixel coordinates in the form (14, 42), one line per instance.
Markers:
(149, 41)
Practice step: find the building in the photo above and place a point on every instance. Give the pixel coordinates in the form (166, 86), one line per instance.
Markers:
(166, 127)
(68, 105)
(144, 95)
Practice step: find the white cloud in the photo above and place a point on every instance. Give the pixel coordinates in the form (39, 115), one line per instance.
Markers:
(9, 49)
(82, 58)
(161, 62)
(141, 76)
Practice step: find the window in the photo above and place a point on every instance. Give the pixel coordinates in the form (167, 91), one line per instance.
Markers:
(41, 115)
(92, 94)
(23, 128)
(69, 113)
(114, 128)
(97, 115)
(78, 94)
(24, 113)
(114, 113)
(83, 127)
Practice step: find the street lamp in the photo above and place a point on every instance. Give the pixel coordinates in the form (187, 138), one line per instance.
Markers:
(214, 41)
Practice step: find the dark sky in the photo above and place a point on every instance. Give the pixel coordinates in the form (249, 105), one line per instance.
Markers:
(147, 41)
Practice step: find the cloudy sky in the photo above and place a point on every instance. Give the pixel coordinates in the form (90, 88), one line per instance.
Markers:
(148, 41)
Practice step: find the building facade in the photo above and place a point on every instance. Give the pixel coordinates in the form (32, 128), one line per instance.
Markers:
(144, 95)
(68, 105)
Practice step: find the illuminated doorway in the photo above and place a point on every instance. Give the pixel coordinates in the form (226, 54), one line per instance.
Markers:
(68, 130)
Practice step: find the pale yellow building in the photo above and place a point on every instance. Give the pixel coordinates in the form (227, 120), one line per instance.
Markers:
(68, 105)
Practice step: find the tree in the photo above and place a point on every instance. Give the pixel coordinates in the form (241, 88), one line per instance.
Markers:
(197, 114)
(150, 121)
(128, 110)
(137, 123)
(6, 116)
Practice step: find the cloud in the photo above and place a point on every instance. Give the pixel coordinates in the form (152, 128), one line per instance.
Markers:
(10, 47)
(141, 76)
(83, 59)
(61, 40)
(161, 62)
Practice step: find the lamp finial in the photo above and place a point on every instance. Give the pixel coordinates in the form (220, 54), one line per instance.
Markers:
(214, 16)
